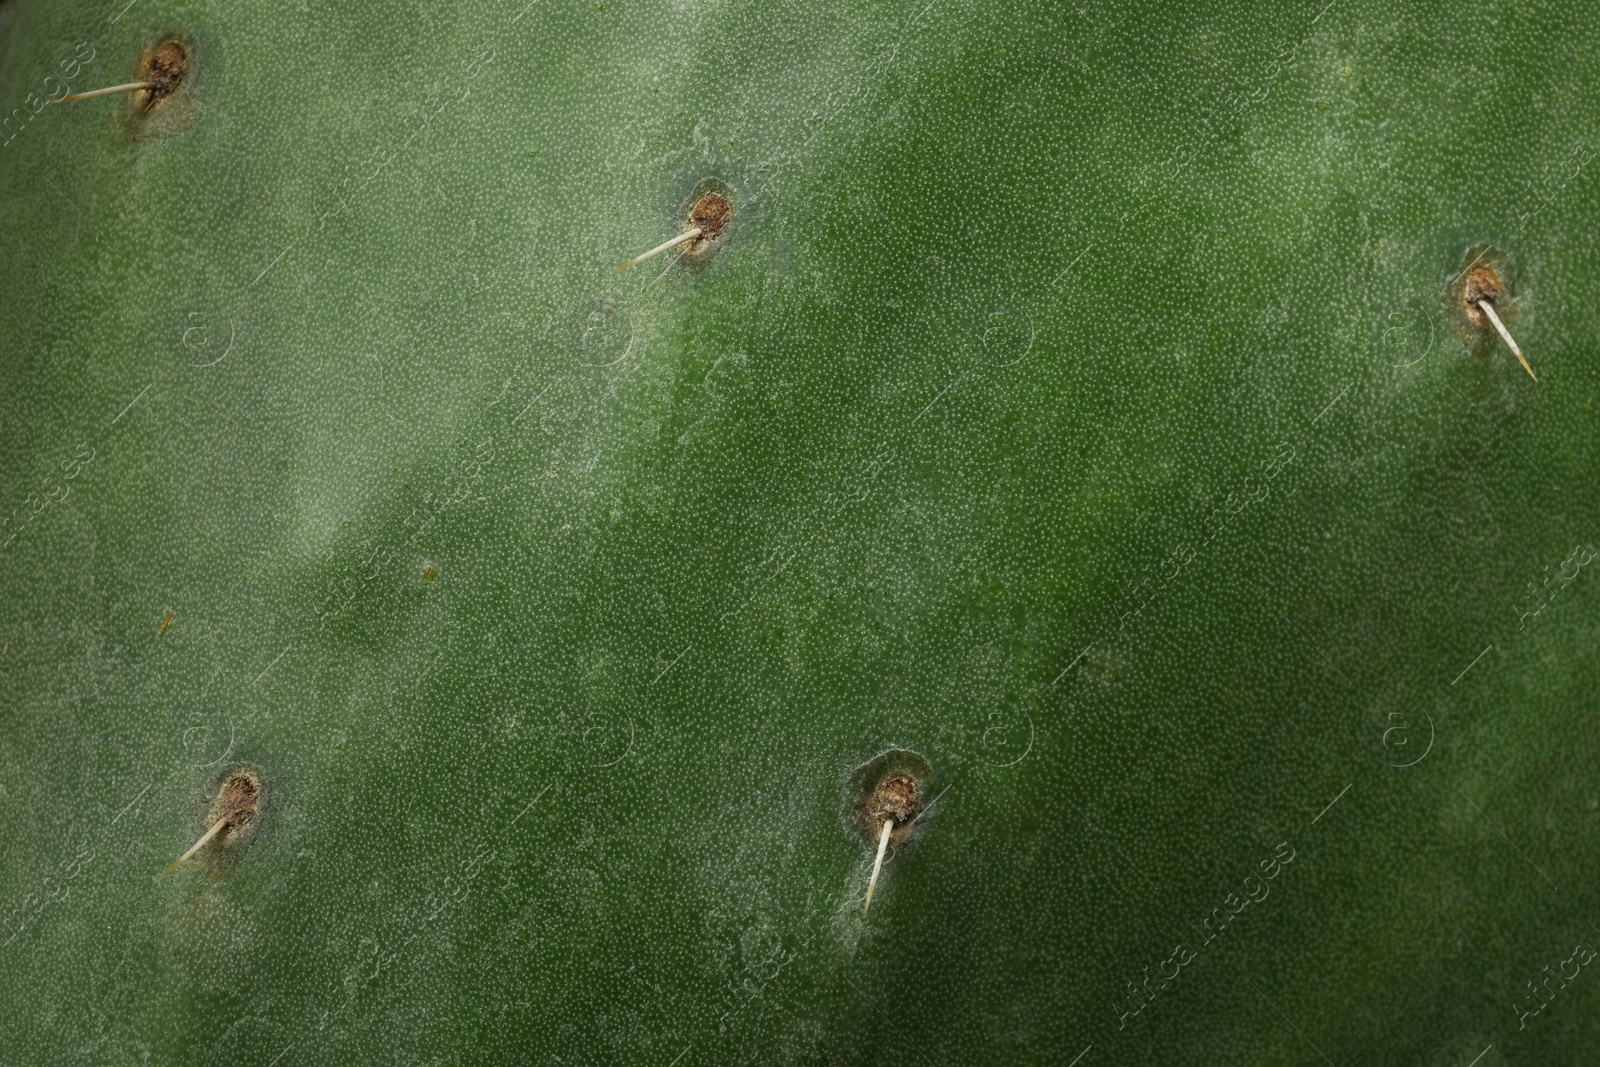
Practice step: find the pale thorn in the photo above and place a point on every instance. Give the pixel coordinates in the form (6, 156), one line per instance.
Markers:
(877, 865)
(686, 235)
(1488, 309)
(198, 845)
(131, 87)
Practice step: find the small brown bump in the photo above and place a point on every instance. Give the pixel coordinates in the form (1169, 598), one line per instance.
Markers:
(233, 815)
(709, 214)
(893, 787)
(708, 217)
(1483, 283)
(164, 68)
(237, 805)
(890, 810)
(429, 571)
(895, 798)
(1481, 305)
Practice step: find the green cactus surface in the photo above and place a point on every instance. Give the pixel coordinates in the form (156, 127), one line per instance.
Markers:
(1085, 411)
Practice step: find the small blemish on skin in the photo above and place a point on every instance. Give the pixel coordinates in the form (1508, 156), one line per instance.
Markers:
(1483, 283)
(891, 808)
(237, 805)
(893, 787)
(708, 217)
(896, 798)
(164, 68)
(233, 814)
(1483, 305)
(709, 214)
(161, 71)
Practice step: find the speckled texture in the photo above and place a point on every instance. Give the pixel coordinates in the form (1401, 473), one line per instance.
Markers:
(1074, 398)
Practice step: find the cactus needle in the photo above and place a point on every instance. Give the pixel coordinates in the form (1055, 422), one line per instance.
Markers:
(1488, 309)
(198, 845)
(130, 87)
(686, 235)
(877, 865)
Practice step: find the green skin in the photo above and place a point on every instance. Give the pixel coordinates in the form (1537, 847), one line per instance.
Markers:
(1075, 399)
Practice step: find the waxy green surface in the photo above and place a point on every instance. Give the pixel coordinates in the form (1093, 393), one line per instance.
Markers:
(1075, 400)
